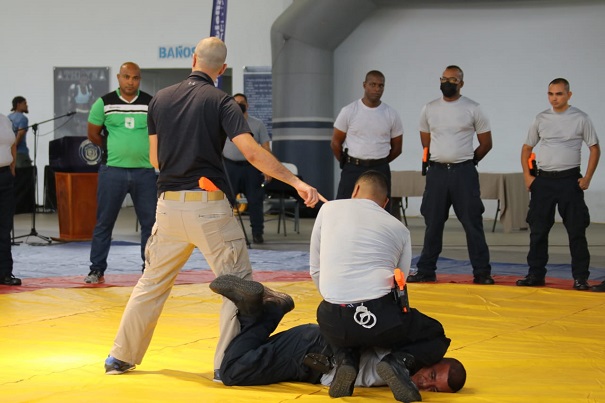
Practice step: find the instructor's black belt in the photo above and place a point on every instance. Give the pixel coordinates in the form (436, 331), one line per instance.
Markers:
(242, 163)
(449, 165)
(366, 163)
(559, 174)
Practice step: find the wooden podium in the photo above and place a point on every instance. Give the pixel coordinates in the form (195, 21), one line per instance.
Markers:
(76, 205)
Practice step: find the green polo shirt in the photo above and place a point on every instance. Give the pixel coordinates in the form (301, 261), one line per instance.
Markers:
(126, 141)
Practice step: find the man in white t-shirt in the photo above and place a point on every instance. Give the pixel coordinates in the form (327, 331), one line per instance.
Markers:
(448, 126)
(355, 247)
(560, 130)
(368, 134)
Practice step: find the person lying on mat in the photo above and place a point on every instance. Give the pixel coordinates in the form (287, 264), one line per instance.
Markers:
(300, 354)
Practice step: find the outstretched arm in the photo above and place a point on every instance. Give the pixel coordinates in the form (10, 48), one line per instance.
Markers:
(264, 161)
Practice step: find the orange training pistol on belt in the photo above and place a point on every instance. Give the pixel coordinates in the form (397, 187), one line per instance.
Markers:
(402, 291)
(531, 163)
(207, 184)
(425, 160)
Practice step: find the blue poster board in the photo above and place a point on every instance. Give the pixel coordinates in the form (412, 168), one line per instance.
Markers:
(258, 90)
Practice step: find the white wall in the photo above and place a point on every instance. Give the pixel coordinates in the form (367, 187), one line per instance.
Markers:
(38, 35)
(509, 51)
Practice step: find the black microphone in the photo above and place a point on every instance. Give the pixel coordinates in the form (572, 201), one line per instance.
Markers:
(71, 113)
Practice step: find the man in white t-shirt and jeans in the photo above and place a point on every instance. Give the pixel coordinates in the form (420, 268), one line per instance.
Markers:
(368, 134)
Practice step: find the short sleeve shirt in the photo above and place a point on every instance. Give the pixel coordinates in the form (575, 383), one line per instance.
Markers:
(7, 139)
(192, 120)
(560, 136)
(259, 131)
(125, 142)
(20, 121)
(369, 130)
(452, 126)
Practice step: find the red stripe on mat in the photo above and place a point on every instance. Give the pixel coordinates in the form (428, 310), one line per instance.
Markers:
(206, 276)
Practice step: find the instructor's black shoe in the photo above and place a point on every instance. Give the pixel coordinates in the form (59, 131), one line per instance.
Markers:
(531, 280)
(247, 295)
(282, 300)
(395, 373)
(485, 279)
(580, 284)
(10, 280)
(422, 278)
(258, 238)
(598, 287)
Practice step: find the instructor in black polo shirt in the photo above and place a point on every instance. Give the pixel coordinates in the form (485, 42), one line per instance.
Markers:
(368, 134)
(188, 124)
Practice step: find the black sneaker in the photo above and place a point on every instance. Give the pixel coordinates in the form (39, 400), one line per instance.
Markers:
(94, 277)
(531, 280)
(598, 288)
(485, 279)
(247, 295)
(258, 238)
(10, 280)
(397, 376)
(580, 284)
(422, 278)
(113, 366)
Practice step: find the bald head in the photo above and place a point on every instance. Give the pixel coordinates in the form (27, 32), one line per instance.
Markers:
(129, 80)
(210, 55)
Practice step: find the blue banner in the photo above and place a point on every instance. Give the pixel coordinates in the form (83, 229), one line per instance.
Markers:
(219, 19)
(218, 24)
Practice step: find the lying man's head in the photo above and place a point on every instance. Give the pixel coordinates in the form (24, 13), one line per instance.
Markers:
(448, 376)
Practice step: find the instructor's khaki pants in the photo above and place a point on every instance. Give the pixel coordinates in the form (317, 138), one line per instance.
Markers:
(180, 226)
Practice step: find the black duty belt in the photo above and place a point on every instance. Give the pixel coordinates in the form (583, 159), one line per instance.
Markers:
(559, 174)
(242, 163)
(366, 163)
(448, 165)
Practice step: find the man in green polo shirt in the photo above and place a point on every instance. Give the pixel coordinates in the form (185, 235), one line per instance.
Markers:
(118, 123)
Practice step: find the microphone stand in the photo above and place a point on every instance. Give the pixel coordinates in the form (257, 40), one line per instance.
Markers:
(33, 231)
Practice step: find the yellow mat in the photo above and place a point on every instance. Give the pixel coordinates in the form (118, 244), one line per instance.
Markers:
(518, 345)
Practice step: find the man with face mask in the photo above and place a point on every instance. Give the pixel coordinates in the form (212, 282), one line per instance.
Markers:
(244, 177)
(448, 126)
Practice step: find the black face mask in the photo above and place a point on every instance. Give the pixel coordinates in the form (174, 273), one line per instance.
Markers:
(448, 89)
(242, 107)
